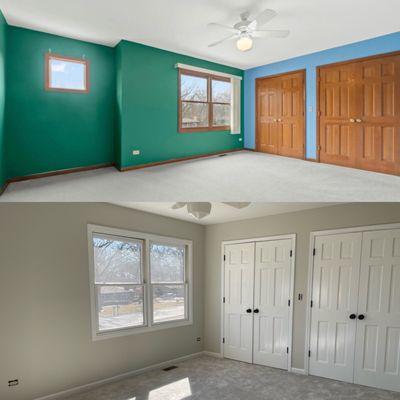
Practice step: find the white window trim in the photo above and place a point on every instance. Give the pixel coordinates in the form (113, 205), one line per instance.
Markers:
(148, 317)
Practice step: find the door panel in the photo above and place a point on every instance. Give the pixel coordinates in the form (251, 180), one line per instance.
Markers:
(359, 108)
(378, 335)
(334, 295)
(268, 112)
(337, 94)
(271, 294)
(239, 279)
(280, 115)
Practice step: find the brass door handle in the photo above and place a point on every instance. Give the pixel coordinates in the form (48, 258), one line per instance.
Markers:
(358, 120)
(352, 120)
(275, 120)
(279, 119)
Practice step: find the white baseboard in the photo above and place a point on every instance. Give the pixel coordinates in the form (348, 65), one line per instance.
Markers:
(78, 389)
(212, 354)
(298, 371)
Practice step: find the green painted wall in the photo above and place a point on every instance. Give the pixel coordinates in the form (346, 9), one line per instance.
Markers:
(147, 104)
(3, 38)
(47, 131)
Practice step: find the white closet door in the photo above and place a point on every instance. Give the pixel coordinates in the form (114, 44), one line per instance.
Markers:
(271, 309)
(238, 307)
(334, 296)
(378, 333)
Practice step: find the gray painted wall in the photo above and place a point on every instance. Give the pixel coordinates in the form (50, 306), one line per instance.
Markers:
(301, 223)
(45, 335)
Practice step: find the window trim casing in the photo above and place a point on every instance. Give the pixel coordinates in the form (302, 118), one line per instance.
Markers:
(50, 56)
(147, 239)
(209, 102)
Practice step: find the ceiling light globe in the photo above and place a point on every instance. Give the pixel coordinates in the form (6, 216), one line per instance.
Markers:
(244, 43)
(199, 210)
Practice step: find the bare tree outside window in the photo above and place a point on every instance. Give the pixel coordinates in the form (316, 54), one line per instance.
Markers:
(205, 102)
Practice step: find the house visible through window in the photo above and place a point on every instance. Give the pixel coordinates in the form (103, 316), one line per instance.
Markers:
(204, 102)
(139, 282)
(66, 74)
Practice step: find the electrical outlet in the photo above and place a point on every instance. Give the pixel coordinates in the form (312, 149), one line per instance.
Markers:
(198, 339)
(13, 382)
(136, 152)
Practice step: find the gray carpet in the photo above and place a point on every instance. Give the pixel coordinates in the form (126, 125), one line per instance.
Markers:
(209, 378)
(242, 176)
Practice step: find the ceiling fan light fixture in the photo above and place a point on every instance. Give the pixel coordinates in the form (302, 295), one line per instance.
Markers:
(199, 210)
(244, 43)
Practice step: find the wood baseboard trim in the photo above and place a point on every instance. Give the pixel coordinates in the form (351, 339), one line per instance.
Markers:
(174, 160)
(4, 187)
(82, 388)
(59, 172)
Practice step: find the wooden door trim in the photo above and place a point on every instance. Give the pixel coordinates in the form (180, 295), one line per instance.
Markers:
(337, 64)
(303, 71)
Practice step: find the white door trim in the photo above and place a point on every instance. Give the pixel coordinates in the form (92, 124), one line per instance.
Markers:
(291, 236)
(313, 236)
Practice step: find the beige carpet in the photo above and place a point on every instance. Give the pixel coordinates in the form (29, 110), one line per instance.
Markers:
(242, 176)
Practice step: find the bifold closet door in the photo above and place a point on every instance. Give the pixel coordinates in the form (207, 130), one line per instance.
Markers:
(378, 327)
(334, 305)
(238, 307)
(271, 307)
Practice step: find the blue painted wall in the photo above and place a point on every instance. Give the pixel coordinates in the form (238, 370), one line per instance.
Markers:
(379, 45)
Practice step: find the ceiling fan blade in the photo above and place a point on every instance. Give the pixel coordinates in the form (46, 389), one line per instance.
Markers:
(218, 25)
(271, 33)
(238, 204)
(265, 17)
(222, 40)
(178, 205)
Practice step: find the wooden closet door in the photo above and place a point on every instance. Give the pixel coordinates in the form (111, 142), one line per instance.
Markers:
(292, 125)
(337, 110)
(268, 111)
(378, 114)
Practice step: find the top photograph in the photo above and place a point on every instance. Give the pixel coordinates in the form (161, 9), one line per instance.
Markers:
(200, 100)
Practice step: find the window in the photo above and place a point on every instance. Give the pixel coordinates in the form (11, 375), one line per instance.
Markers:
(66, 74)
(139, 282)
(204, 102)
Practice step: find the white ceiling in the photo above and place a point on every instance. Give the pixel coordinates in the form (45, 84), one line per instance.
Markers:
(181, 25)
(221, 213)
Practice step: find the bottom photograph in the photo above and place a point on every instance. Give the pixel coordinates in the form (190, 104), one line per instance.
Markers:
(199, 300)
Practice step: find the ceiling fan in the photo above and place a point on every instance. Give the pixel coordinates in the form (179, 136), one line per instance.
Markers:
(246, 30)
(200, 210)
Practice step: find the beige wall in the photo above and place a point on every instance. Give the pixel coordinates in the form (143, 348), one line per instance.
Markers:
(45, 333)
(301, 223)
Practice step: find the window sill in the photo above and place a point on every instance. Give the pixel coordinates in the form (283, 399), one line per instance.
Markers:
(142, 329)
(205, 129)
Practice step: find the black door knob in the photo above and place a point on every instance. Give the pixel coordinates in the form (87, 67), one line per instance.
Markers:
(361, 316)
(256, 311)
(248, 310)
(352, 316)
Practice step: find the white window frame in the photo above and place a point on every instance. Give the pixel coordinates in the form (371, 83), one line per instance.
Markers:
(147, 239)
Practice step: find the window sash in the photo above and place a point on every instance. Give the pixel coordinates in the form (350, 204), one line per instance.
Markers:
(148, 324)
(97, 287)
(210, 127)
(48, 73)
(185, 302)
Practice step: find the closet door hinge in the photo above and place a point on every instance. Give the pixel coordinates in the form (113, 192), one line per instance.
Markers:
(314, 252)
(309, 353)
(223, 340)
(311, 303)
(291, 253)
(287, 350)
(288, 303)
(224, 257)
(223, 299)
